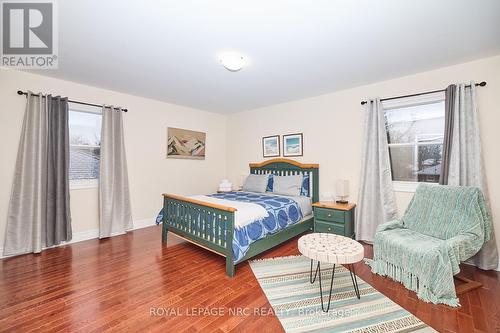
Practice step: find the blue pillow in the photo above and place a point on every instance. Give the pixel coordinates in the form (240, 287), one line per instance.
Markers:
(270, 183)
(305, 186)
(304, 191)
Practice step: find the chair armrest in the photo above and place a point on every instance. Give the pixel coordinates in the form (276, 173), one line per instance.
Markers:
(461, 248)
(464, 245)
(394, 224)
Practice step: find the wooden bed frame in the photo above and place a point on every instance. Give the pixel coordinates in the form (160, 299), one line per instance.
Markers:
(193, 220)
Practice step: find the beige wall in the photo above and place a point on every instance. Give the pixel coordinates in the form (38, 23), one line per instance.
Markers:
(332, 127)
(150, 173)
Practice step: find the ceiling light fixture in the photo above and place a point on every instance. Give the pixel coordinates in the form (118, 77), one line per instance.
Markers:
(232, 61)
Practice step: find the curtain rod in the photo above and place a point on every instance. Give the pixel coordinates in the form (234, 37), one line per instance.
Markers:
(19, 92)
(481, 84)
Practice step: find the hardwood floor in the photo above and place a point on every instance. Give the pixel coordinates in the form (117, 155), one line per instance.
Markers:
(133, 283)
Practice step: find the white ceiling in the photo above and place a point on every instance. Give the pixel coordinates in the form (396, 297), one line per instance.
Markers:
(167, 50)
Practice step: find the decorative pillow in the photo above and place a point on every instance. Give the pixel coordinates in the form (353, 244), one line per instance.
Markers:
(256, 183)
(270, 183)
(304, 191)
(288, 185)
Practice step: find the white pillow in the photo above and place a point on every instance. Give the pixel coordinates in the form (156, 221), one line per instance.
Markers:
(256, 183)
(287, 185)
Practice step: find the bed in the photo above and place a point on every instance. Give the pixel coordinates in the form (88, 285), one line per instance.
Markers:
(215, 223)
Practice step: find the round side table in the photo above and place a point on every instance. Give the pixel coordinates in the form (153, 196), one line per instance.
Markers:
(332, 249)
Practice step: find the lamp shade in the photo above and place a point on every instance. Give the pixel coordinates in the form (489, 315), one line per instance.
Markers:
(342, 187)
(225, 186)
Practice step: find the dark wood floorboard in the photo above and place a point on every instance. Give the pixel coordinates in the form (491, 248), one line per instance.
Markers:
(132, 283)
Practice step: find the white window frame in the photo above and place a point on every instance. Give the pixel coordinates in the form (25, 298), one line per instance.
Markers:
(407, 186)
(83, 184)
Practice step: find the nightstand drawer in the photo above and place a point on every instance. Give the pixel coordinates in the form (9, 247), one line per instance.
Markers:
(329, 215)
(328, 228)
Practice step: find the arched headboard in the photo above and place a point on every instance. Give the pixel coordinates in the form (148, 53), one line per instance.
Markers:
(285, 167)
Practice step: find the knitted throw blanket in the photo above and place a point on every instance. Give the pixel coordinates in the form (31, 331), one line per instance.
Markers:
(442, 226)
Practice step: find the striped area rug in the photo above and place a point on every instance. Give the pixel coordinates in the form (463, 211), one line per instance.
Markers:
(296, 302)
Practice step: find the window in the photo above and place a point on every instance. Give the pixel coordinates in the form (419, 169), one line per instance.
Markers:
(84, 146)
(415, 133)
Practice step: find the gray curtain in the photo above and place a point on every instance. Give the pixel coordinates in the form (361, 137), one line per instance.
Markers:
(39, 214)
(466, 166)
(449, 106)
(376, 200)
(115, 216)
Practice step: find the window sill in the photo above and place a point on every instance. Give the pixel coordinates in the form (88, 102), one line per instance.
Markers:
(409, 187)
(404, 186)
(83, 184)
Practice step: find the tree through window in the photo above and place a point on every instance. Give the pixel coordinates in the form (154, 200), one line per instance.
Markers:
(415, 135)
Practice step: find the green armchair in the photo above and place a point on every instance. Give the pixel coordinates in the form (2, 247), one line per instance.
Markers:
(442, 226)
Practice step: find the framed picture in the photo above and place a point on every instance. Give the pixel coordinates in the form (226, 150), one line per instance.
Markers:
(292, 145)
(182, 143)
(271, 146)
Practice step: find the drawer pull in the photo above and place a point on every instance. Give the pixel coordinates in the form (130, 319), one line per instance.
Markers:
(329, 215)
(329, 229)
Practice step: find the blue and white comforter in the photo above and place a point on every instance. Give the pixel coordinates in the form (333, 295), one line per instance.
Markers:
(282, 212)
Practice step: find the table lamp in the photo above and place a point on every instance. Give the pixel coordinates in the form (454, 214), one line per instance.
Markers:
(342, 189)
(225, 186)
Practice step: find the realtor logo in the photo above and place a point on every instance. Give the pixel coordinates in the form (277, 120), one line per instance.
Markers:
(29, 34)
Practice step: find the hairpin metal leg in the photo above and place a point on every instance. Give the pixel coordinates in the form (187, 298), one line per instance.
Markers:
(321, 289)
(311, 279)
(354, 281)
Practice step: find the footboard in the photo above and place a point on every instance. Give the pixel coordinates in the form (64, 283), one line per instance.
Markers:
(208, 225)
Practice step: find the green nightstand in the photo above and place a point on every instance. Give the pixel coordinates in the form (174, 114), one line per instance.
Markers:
(334, 218)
